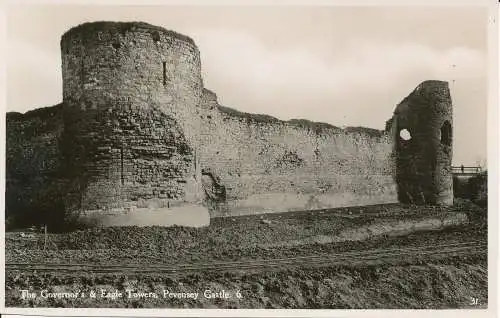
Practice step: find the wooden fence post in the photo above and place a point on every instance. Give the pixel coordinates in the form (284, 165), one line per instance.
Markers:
(45, 237)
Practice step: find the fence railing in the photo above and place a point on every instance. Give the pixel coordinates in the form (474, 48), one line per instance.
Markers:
(466, 170)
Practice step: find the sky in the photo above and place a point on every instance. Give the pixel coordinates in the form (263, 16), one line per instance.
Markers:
(347, 66)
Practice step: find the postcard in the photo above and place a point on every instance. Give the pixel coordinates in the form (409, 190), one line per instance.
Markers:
(252, 160)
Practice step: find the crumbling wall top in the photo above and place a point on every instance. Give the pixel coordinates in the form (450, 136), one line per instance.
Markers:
(122, 27)
(427, 85)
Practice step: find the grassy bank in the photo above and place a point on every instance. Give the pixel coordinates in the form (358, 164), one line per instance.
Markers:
(236, 238)
(449, 284)
(436, 282)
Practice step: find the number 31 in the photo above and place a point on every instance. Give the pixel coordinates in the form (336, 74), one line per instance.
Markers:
(474, 301)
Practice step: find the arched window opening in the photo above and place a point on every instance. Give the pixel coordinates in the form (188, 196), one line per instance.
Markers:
(404, 134)
(446, 133)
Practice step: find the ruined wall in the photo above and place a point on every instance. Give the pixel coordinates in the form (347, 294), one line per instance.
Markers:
(271, 165)
(136, 129)
(33, 161)
(423, 161)
(128, 92)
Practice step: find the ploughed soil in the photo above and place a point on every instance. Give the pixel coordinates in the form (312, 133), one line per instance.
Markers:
(438, 282)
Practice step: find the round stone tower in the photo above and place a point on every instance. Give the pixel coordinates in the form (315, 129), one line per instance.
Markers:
(128, 90)
(422, 132)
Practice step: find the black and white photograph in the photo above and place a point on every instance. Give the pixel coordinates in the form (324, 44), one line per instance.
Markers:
(249, 157)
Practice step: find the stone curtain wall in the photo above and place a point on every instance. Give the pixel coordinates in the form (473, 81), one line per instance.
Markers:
(33, 163)
(268, 165)
(424, 161)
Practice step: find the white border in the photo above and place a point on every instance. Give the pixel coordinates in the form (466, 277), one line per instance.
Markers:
(261, 2)
(493, 171)
(493, 158)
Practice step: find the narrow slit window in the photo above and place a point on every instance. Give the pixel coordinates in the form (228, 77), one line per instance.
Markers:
(446, 133)
(121, 160)
(164, 73)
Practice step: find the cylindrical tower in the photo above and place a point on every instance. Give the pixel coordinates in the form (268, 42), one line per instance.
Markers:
(422, 132)
(128, 89)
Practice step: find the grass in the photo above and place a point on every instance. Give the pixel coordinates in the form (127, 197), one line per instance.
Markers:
(317, 127)
(91, 28)
(232, 238)
(434, 285)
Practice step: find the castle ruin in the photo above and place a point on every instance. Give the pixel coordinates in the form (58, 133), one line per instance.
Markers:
(138, 129)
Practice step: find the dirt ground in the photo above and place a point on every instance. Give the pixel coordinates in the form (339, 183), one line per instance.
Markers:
(433, 285)
(450, 282)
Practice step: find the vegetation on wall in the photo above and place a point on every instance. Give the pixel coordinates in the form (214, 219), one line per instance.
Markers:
(474, 188)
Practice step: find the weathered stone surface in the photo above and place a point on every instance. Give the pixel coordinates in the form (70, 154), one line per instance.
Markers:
(128, 91)
(33, 162)
(136, 129)
(423, 163)
(295, 162)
